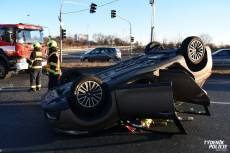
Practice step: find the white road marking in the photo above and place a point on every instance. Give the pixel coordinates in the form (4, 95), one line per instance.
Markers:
(220, 103)
(38, 103)
(21, 104)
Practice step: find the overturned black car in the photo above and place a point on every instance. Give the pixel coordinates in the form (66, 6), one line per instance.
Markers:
(145, 87)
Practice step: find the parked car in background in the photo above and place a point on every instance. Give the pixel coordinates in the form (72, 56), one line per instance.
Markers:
(102, 54)
(221, 58)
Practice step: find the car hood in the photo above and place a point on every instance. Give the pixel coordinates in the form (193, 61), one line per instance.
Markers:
(58, 98)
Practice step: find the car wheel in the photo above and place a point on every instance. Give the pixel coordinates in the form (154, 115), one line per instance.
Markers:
(69, 76)
(85, 60)
(153, 46)
(3, 70)
(194, 52)
(90, 99)
(90, 60)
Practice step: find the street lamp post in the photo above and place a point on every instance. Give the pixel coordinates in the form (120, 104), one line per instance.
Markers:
(153, 19)
(130, 31)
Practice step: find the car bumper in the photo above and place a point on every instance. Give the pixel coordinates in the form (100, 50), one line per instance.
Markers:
(22, 66)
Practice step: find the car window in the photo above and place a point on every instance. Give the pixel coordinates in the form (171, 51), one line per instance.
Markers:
(109, 50)
(95, 51)
(224, 53)
(2, 32)
(6, 35)
(106, 50)
(103, 51)
(112, 50)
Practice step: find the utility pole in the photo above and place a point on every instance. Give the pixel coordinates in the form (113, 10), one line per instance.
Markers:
(153, 19)
(60, 21)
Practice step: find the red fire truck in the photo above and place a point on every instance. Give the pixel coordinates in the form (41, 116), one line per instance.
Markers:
(16, 46)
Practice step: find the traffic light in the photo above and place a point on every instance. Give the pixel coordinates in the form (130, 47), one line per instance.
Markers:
(63, 33)
(93, 8)
(151, 2)
(113, 13)
(132, 39)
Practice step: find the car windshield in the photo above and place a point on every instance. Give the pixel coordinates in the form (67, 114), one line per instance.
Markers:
(87, 51)
(29, 36)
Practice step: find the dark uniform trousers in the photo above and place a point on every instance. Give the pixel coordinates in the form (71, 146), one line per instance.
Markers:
(53, 81)
(35, 78)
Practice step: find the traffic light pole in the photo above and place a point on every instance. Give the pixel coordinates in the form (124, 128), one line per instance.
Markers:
(130, 30)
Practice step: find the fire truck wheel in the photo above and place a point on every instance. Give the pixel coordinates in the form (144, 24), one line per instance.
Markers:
(3, 70)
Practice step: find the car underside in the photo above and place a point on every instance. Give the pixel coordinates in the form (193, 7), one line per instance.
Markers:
(133, 92)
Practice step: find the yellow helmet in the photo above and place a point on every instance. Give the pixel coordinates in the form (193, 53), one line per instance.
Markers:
(36, 45)
(52, 44)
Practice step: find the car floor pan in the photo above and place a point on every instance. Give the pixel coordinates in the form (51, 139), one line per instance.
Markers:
(185, 88)
(145, 101)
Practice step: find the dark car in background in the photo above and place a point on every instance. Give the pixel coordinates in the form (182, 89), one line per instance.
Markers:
(221, 58)
(102, 54)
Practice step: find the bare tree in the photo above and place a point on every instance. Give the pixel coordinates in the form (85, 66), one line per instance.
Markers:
(206, 38)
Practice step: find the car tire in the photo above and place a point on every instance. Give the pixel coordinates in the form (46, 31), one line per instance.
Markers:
(69, 75)
(83, 59)
(194, 52)
(3, 70)
(90, 101)
(153, 46)
(90, 60)
(109, 60)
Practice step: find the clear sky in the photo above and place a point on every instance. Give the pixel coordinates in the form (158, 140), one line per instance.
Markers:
(175, 19)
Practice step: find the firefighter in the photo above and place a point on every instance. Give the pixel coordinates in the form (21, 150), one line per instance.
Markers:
(53, 65)
(35, 64)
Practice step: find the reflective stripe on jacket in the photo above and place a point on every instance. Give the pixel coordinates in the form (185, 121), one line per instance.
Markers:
(53, 64)
(35, 61)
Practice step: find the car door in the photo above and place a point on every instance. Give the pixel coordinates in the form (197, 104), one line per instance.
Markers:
(99, 54)
(105, 54)
(93, 54)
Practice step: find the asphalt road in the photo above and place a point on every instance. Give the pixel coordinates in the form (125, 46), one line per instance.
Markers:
(24, 129)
